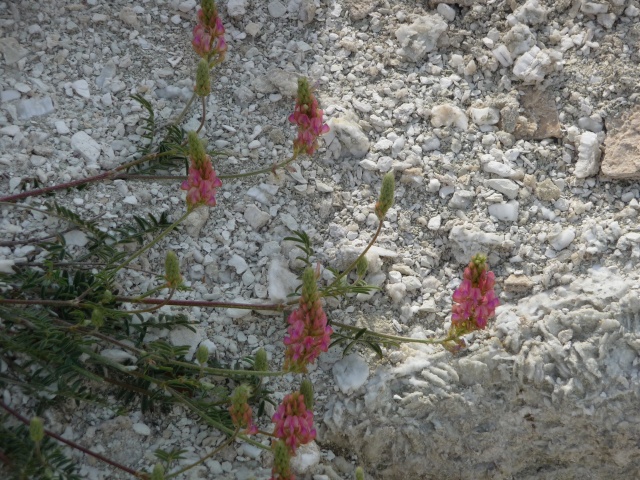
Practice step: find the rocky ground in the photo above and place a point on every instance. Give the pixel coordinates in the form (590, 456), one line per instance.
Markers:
(513, 129)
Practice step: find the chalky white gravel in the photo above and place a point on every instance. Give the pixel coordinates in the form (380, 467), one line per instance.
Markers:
(494, 116)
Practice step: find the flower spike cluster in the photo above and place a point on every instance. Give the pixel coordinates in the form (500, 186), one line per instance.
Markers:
(308, 333)
(240, 410)
(208, 35)
(293, 422)
(308, 117)
(202, 181)
(474, 300)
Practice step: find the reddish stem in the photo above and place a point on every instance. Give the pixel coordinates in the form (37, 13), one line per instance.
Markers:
(84, 450)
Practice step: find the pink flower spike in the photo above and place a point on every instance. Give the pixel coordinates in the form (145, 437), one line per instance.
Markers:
(293, 422)
(201, 184)
(474, 301)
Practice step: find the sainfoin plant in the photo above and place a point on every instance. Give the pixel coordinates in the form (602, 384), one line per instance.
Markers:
(59, 316)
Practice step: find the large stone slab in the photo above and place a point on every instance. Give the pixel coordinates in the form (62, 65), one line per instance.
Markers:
(550, 391)
(622, 146)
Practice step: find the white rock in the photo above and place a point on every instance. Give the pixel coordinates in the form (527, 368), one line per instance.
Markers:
(239, 263)
(280, 280)
(256, 217)
(130, 200)
(354, 142)
(118, 356)
(503, 55)
(76, 238)
(420, 38)
(306, 459)
(588, 162)
(532, 66)
(592, 8)
(447, 115)
(350, 373)
(141, 429)
(276, 9)
(9, 95)
(500, 169)
(447, 12)
(187, 5)
(236, 8)
(86, 146)
(61, 127)
(6, 266)
(34, 107)
(10, 130)
(196, 220)
(563, 239)
(81, 87)
(485, 116)
(504, 186)
(506, 212)
(434, 223)
(183, 336)
(397, 291)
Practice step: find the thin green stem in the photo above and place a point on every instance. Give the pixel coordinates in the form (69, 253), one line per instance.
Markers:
(152, 243)
(396, 338)
(211, 421)
(355, 262)
(228, 442)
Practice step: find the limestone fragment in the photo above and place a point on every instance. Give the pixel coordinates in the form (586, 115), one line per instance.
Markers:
(540, 116)
(622, 146)
(420, 38)
(588, 162)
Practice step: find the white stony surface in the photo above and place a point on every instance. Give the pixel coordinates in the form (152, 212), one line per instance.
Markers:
(429, 91)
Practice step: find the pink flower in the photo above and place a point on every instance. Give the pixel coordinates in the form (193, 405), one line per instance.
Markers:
(208, 35)
(240, 411)
(293, 422)
(474, 300)
(308, 336)
(201, 184)
(308, 117)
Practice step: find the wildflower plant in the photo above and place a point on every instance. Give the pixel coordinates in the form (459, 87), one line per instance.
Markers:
(57, 315)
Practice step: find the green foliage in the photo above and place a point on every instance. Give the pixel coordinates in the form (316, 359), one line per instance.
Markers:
(303, 242)
(22, 460)
(363, 337)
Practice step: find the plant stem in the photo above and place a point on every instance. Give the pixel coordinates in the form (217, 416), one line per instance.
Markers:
(228, 442)
(76, 446)
(110, 174)
(355, 262)
(396, 338)
(213, 422)
(152, 242)
(277, 307)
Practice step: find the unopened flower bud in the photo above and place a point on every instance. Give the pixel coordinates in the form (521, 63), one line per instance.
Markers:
(202, 354)
(385, 201)
(158, 472)
(36, 429)
(197, 151)
(203, 79)
(309, 286)
(306, 389)
(107, 297)
(208, 7)
(97, 318)
(261, 363)
(281, 460)
(361, 267)
(172, 270)
(359, 473)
